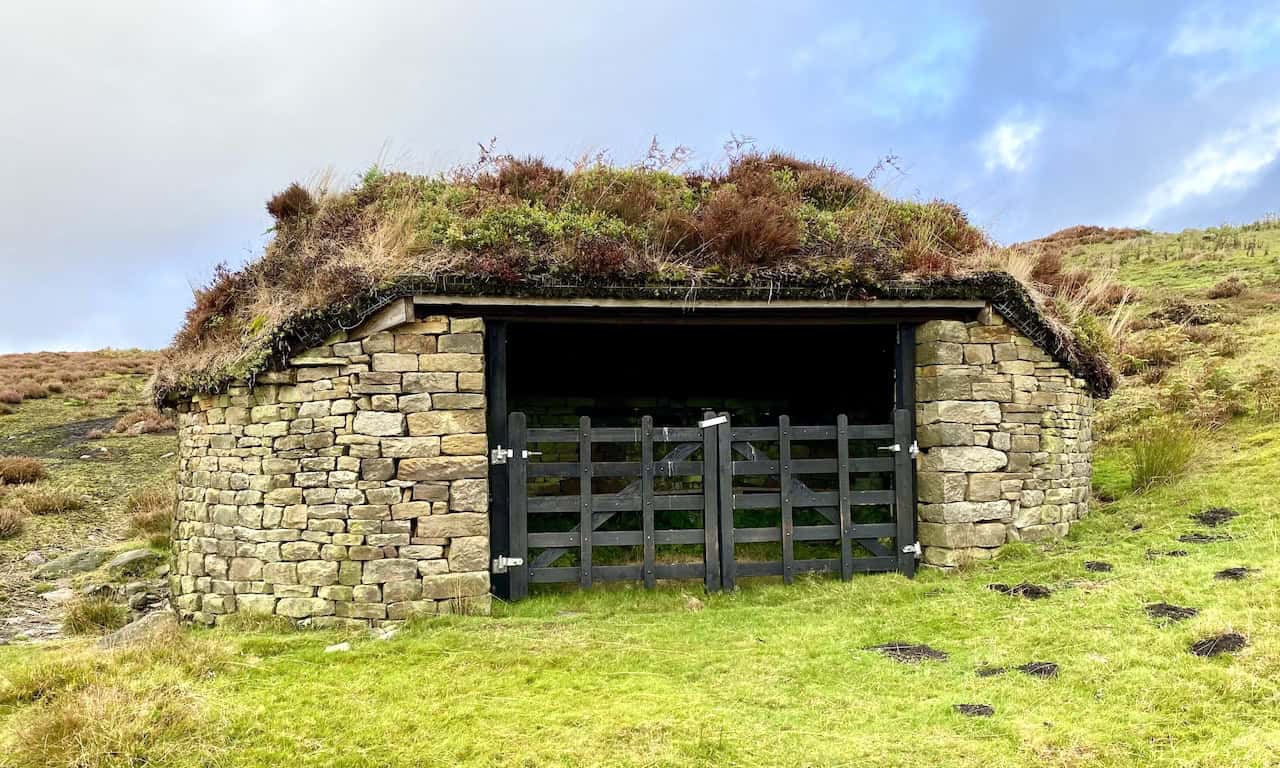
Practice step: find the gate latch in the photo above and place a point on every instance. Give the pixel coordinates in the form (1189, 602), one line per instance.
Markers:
(500, 455)
(502, 563)
(913, 549)
(894, 448)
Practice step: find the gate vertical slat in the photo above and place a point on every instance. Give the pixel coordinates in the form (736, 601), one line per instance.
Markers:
(585, 523)
(711, 505)
(518, 520)
(784, 492)
(842, 470)
(903, 493)
(724, 452)
(646, 500)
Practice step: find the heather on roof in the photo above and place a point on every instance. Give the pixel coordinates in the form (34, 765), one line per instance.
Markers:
(508, 225)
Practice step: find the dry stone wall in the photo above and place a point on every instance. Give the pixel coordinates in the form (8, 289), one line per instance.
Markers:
(1006, 440)
(349, 489)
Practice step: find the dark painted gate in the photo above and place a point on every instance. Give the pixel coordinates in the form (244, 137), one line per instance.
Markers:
(709, 501)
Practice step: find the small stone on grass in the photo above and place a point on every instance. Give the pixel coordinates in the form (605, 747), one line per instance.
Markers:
(338, 648)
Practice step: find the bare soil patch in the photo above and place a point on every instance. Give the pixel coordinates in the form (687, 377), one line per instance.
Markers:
(908, 653)
(975, 710)
(1202, 538)
(1025, 589)
(1170, 612)
(1151, 553)
(1097, 566)
(1039, 669)
(990, 671)
(1233, 574)
(1228, 642)
(1215, 516)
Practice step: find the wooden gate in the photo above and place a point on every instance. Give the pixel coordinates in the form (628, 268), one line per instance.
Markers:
(710, 501)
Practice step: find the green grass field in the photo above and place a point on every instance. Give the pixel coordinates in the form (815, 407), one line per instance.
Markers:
(770, 675)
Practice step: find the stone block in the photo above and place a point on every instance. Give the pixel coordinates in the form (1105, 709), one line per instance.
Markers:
(944, 433)
(464, 445)
(939, 353)
(303, 607)
(960, 412)
(317, 573)
(410, 447)
(433, 381)
(395, 362)
(470, 495)
(984, 486)
(469, 553)
(415, 403)
(379, 423)
(462, 342)
(963, 459)
(389, 569)
(446, 423)
(443, 468)
(256, 605)
(940, 487)
(454, 362)
(447, 586)
(453, 525)
(414, 343)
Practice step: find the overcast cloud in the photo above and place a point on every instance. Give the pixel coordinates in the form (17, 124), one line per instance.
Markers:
(138, 140)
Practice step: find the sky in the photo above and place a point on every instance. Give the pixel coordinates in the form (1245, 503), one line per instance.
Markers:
(140, 140)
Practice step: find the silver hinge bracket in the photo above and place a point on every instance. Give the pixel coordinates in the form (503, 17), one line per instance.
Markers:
(502, 563)
(913, 549)
(894, 448)
(914, 450)
(500, 455)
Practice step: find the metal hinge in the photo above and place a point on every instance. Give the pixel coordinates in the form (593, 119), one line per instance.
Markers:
(913, 549)
(914, 450)
(500, 455)
(895, 448)
(501, 563)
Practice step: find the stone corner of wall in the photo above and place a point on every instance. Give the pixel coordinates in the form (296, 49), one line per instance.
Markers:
(1006, 440)
(349, 489)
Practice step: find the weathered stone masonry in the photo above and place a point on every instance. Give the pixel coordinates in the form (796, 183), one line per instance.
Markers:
(348, 489)
(1006, 440)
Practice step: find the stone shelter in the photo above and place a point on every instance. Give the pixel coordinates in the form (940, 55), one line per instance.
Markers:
(442, 439)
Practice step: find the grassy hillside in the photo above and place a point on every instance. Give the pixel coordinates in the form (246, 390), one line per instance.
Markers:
(778, 675)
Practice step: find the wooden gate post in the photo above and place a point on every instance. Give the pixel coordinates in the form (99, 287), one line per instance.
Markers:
(904, 433)
(518, 518)
(711, 505)
(724, 463)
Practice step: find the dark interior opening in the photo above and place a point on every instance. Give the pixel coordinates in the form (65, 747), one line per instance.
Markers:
(616, 373)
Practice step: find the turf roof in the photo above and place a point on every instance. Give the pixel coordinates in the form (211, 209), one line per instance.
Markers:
(509, 226)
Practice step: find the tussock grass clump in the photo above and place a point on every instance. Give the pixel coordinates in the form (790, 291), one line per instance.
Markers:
(1228, 288)
(10, 396)
(49, 500)
(19, 470)
(150, 511)
(1160, 453)
(12, 523)
(94, 616)
(144, 421)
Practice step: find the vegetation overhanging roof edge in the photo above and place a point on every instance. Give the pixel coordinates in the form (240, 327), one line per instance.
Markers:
(1006, 294)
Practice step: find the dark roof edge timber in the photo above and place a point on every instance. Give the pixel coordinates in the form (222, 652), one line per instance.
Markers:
(309, 329)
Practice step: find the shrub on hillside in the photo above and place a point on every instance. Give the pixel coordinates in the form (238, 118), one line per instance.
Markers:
(10, 396)
(1265, 386)
(18, 470)
(1152, 349)
(94, 616)
(11, 522)
(1228, 288)
(1160, 452)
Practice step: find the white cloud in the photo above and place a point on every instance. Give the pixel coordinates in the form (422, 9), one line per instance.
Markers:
(1232, 160)
(1202, 33)
(1008, 146)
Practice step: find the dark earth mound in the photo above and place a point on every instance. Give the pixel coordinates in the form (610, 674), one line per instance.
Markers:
(1171, 553)
(975, 710)
(1027, 590)
(1215, 516)
(1039, 669)
(1201, 538)
(1229, 642)
(1233, 574)
(908, 653)
(1097, 566)
(1170, 612)
(990, 671)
